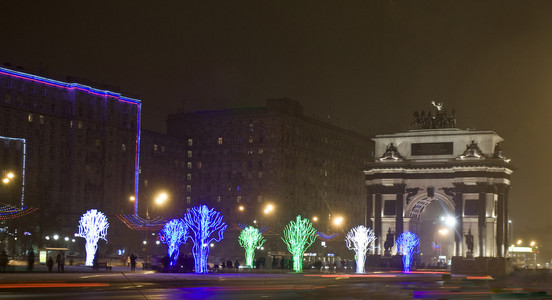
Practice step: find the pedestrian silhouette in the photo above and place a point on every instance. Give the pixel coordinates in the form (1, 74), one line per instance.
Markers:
(30, 260)
(3, 261)
(50, 264)
(60, 260)
(132, 262)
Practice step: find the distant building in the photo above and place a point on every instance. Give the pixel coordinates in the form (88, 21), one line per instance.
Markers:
(81, 153)
(242, 160)
(464, 172)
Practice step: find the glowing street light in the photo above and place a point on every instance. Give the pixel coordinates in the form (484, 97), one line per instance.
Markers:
(269, 208)
(132, 198)
(315, 219)
(241, 208)
(161, 198)
(338, 221)
(519, 242)
(8, 177)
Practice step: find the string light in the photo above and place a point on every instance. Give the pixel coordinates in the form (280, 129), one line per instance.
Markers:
(299, 236)
(93, 227)
(407, 243)
(250, 239)
(203, 222)
(173, 234)
(359, 239)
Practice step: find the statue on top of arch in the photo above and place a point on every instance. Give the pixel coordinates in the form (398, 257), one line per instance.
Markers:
(434, 120)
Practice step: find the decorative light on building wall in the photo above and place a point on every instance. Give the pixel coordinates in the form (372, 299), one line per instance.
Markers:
(359, 239)
(407, 243)
(93, 227)
(250, 239)
(203, 222)
(299, 236)
(173, 234)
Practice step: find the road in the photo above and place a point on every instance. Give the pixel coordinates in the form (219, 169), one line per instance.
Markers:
(150, 285)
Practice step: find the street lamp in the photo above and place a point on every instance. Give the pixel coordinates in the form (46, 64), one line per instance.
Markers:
(268, 208)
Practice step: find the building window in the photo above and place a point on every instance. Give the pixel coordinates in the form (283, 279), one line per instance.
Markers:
(261, 150)
(155, 147)
(250, 139)
(259, 199)
(190, 142)
(238, 188)
(188, 199)
(162, 148)
(189, 154)
(189, 165)
(240, 140)
(189, 177)
(41, 119)
(189, 188)
(79, 124)
(220, 141)
(218, 199)
(123, 147)
(30, 118)
(238, 199)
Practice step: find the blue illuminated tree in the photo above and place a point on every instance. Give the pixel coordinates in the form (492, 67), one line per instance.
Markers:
(299, 236)
(173, 234)
(407, 244)
(202, 223)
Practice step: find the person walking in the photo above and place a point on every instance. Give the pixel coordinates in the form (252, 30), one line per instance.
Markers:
(3, 261)
(30, 260)
(237, 265)
(50, 264)
(58, 262)
(132, 262)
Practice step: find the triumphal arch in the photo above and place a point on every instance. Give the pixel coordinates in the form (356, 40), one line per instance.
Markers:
(464, 170)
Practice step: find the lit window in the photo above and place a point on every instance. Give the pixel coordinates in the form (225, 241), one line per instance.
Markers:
(239, 199)
(41, 119)
(154, 147)
(79, 124)
(261, 150)
(30, 118)
(190, 142)
(188, 188)
(188, 199)
(251, 139)
(218, 199)
(189, 177)
(189, 154)
(189, 165)
(123, 147)
(238, 188)
(220, 141)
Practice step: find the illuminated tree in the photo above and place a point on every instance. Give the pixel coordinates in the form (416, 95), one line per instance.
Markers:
(250, 238)
(359, 239)
(298, 236)
(93, 227)
(173, 233)
(203, 222)
(407, 243)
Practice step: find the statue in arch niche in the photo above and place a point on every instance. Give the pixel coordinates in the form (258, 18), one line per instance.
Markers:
(469, 243)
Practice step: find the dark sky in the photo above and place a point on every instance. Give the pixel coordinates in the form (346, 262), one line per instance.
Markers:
(368, 65)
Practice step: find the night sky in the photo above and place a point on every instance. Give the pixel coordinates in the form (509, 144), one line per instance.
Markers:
(362, 65)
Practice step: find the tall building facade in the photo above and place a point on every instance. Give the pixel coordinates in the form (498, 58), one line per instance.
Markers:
(267, 165)
(81, 150)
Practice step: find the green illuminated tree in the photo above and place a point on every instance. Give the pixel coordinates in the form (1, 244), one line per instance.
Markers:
(250, 238)
(299, 236)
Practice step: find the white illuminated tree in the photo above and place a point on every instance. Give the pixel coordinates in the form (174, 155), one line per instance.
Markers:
(93, 227)
(359, 239)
